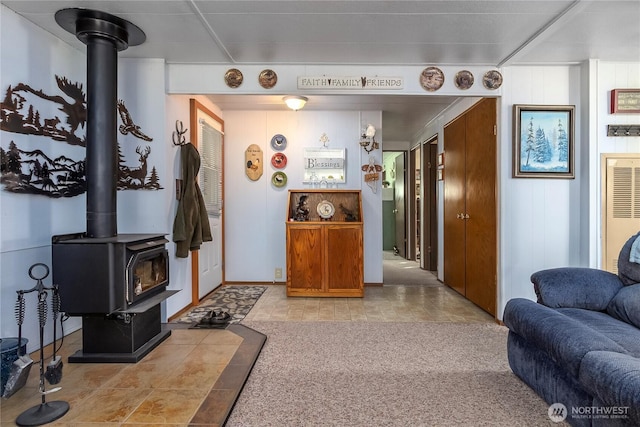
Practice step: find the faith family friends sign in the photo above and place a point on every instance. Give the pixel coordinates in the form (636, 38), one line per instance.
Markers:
(351, 82)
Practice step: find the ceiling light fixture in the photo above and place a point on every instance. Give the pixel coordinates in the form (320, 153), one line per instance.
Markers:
(295, 102)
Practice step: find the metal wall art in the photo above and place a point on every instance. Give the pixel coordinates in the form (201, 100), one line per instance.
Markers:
(372, 174)
(40, 171)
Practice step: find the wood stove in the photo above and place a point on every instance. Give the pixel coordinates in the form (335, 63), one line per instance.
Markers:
(108, 275)
(116, 282)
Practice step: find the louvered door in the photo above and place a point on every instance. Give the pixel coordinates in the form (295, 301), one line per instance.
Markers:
(622, 204)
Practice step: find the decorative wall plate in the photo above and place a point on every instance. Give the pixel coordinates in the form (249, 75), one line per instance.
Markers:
(233, 78)
(268, 79)
(253, 162)
(279, 142)
(464, 79)
(431, 78)
(279, 160)
(279, 179)
(492, 79)
(325, 209)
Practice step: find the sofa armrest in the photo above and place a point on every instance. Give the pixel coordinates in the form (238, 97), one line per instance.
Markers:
(575, 287)
(564, 339)
(615, 379)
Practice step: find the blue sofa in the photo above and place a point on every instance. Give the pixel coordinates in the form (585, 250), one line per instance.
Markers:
(579, 344)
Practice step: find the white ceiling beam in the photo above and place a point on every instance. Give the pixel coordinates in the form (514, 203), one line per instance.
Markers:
(539, 36)
(210, 30)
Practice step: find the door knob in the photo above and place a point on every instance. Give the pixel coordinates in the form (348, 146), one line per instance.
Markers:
(466, 216)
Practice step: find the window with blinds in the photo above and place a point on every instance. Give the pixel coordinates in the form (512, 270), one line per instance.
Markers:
(622, 205)
(210, 176)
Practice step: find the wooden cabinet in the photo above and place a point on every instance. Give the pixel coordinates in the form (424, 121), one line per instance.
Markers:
(325, 255)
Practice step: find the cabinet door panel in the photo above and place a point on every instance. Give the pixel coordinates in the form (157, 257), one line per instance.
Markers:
(305, 267)
(344, 257)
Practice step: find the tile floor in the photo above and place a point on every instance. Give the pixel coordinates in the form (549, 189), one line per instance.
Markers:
(397, 303)
(193, 377)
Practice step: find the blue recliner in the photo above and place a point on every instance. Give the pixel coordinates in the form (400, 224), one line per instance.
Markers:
(579, 344)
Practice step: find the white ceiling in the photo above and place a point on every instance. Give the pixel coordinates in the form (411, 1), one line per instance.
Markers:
(366, 32)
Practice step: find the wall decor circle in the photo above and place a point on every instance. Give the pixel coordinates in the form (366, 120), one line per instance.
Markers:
(279, 179)
(279, 160)
(268, 78)
(431, 78)
(233, 78)
(464, 79)
(278, 142)
(492, 79)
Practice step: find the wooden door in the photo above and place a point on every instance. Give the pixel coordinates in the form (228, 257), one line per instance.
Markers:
(480, 201)
(344, 257)
(399, 197)
(305, 269)
(207, 130)
(429, 261)
(454, 205)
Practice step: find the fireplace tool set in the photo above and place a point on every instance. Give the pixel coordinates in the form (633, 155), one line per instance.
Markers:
(46, 412)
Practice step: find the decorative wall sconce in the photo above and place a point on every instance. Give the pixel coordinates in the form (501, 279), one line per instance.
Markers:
(623, 130)
(368, 140)
(295, 102)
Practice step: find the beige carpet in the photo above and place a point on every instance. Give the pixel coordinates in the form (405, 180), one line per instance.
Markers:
(352, 374)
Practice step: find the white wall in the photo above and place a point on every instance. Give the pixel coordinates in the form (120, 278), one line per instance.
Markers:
(256, 211)
(34, 57)
(28, 222)
(177, 108)
(601, 77)
(539, 218)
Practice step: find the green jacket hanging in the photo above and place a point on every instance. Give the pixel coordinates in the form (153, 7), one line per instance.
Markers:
(191, 226)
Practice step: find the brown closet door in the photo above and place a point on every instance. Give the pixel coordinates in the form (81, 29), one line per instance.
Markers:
(481, 245)
(454, 205)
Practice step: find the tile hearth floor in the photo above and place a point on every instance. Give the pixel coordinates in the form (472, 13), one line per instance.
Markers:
(194, 376)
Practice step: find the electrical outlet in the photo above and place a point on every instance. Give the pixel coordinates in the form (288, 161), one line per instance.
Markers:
(278, 273)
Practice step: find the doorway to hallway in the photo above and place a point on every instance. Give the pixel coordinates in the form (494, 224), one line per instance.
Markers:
(401, 271)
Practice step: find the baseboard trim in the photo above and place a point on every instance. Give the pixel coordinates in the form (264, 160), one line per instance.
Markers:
(230, 283)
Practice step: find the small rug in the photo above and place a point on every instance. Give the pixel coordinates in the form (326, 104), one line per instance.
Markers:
(235, 300)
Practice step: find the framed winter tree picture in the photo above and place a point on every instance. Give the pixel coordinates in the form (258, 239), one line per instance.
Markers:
(543, 141)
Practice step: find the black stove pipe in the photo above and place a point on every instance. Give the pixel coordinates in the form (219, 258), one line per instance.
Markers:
(101, 166)
(104, 35)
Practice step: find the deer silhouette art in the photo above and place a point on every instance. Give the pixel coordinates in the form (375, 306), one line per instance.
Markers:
(140, 173)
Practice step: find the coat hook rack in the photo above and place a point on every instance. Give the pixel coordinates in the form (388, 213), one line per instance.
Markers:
(623, 130)
(178, 135)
